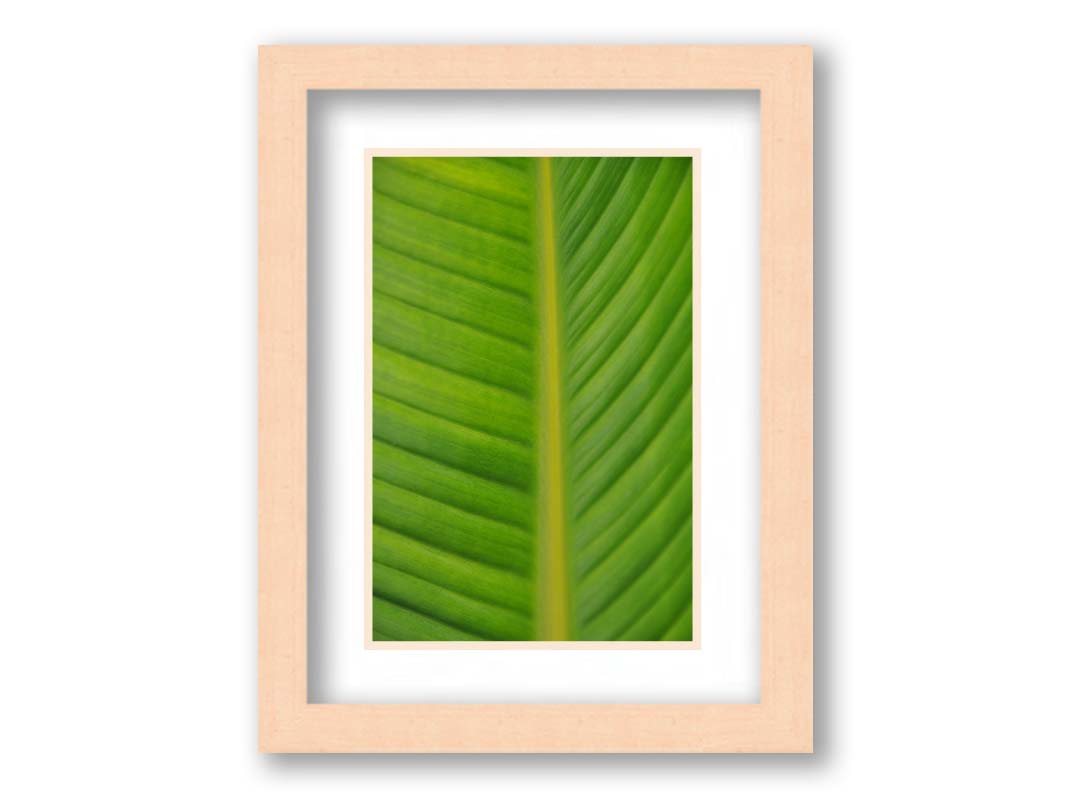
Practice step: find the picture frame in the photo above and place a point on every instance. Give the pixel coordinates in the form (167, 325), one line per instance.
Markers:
(782, 720)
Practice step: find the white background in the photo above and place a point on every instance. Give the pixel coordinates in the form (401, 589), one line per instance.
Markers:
(127, 410)
(724, 126)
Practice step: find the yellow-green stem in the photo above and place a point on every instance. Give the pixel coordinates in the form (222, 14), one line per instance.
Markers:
(554, 619)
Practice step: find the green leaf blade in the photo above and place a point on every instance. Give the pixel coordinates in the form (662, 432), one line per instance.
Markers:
(532, 399)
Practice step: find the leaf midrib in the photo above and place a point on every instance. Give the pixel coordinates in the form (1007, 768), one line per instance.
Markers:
(554, 621)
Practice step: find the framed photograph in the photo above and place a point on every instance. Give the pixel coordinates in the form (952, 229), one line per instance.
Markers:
(535, 358)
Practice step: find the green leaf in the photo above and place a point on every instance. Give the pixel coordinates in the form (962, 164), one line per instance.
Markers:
(532, 399)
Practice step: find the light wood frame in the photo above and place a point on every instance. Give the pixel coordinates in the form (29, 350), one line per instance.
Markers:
(782, 720)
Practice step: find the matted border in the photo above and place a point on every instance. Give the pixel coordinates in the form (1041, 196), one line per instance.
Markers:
(783, 719)
(369, 154)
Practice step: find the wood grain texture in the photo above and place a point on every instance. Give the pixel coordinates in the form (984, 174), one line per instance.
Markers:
(783, 719)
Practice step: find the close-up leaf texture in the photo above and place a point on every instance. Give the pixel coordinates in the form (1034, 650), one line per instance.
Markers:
(532, 398)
